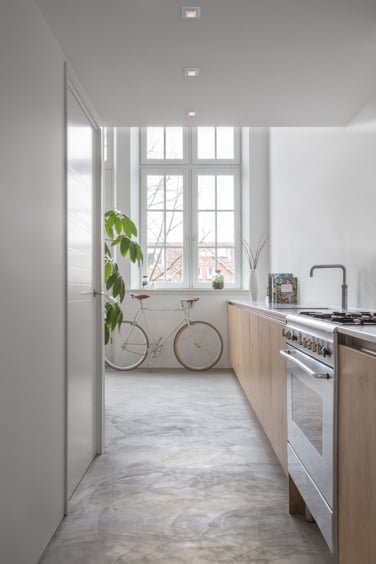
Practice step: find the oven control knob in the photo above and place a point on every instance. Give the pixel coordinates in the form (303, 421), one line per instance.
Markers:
(314, 347)
(288, 334)
(300, 340)
(320, 349)
(326, 351)
(294, 337)
(309, 344)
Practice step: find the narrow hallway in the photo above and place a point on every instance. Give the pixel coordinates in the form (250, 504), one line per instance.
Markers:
(187, 477)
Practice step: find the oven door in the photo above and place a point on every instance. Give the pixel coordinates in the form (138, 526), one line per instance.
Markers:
(310, 404)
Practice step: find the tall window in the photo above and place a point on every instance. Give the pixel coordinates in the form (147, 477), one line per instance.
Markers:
(190, 205)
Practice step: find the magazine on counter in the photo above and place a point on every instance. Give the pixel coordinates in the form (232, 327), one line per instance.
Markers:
(283, 288)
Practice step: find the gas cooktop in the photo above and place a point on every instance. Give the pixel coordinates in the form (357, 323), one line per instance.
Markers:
(344, 318)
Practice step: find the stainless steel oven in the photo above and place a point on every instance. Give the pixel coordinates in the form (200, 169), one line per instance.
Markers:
(310, 355)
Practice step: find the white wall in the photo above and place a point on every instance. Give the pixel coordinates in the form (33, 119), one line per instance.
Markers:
(323, 202)
(32, 283)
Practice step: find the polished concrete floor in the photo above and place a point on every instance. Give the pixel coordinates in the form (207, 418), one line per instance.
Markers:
(187, 477)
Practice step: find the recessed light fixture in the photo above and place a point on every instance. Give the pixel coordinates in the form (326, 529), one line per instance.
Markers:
(190, 12)
(191, 113)
(190, 72)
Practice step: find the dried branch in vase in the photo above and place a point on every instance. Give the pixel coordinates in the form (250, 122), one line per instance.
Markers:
(253, 257)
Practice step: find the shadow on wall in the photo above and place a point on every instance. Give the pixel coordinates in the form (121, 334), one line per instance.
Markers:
(367, 286)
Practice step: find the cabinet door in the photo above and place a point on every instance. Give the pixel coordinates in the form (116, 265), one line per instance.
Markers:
(239, 339)
(254, 342)
(234, 336)
(262, 406)
(278, 399)
(356, 456)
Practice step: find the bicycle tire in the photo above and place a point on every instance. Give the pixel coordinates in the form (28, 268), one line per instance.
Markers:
(198, 345)
(130, 347)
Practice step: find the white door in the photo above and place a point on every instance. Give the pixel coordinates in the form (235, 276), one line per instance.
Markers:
(83, 337)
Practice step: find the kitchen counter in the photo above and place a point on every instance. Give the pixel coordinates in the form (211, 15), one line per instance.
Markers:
(279, 311)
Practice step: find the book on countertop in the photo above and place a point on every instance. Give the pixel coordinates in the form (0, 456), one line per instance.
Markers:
(283, 288)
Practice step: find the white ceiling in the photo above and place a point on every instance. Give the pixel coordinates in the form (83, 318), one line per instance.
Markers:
(262, 62)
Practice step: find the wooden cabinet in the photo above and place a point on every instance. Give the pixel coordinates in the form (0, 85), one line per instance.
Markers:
(356, 456)
(254, 344)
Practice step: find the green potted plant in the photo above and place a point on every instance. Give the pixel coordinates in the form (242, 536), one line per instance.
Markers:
(120, 231)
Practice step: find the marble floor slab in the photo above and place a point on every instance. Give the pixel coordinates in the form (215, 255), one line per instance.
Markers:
(187, 477)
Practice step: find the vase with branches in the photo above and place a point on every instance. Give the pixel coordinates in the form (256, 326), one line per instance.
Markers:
(253, 257)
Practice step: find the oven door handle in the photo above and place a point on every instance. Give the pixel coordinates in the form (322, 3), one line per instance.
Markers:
(290, 356)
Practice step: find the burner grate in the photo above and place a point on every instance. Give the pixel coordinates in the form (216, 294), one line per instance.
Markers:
(345, 318)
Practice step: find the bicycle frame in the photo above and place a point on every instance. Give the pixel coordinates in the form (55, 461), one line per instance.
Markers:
(141, 313)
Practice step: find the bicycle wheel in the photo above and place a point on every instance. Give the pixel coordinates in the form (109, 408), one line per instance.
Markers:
(198, 346)
(129, 347)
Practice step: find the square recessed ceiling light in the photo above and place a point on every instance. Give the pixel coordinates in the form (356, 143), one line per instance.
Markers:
(190, 12)
(191, 113)
(191, 72)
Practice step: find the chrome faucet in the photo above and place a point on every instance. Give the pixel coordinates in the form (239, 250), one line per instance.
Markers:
(344, 285)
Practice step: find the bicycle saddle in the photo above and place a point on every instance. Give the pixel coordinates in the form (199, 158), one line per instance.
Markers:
(190, 300)
(140, 296)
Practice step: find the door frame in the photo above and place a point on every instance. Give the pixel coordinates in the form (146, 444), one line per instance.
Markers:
(72, 85)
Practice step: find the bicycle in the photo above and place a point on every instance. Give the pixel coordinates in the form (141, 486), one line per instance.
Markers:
(197, 345)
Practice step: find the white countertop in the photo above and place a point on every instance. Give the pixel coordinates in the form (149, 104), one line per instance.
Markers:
(279, 312)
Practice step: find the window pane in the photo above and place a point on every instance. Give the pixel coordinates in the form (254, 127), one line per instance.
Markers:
(154, 143)
(225, 142)
(226, 230)
(206, 192)
(174, 142)
(155, 192)
(174, 227)
(165, 265)
(155, 228)
(225, 261)
(206, 228)
(225, 192)
(206, 142)
(206, 264)
(174, 192)
(155, 263)
(174, 265)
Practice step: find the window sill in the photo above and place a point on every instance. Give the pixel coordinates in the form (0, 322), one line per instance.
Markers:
(236, 291)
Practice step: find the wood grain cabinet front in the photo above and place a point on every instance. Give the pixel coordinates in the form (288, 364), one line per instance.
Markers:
(254, 344)
(356, 456)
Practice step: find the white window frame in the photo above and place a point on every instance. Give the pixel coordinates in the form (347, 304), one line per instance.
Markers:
(165, 171)
(151, 162)
(217, 162)
(216, 171)
(190, 167)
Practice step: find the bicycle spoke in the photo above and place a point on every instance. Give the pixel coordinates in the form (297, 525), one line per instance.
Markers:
(129, 347)
(198, 346)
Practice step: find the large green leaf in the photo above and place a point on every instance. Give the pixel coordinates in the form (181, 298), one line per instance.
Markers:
(114, 317)
(118, 225)
(109, 230)
(140, 256)
(124, 246)
(107, 271)
(122, 290)
(129, 227)
(116, 287)
(106, 335)
(117, 241)
(133, 251)
(110, 282)
(120, 319)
